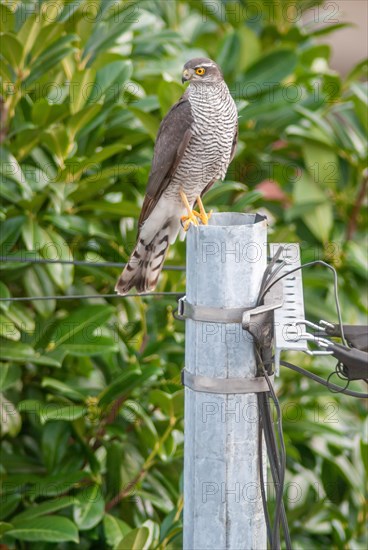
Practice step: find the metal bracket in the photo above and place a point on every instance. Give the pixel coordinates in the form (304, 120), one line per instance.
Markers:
(275, 322)
(186, 310)
(259, 321)
(225, 385)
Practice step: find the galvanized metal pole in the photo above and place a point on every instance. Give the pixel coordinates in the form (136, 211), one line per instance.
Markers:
(222, 498)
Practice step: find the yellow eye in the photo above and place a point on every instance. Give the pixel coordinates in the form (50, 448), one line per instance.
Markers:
(200, 71)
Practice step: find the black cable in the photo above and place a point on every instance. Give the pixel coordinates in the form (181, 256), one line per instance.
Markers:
(277, 453)
(274, 467)
(276, 456)
(277, 460)
(269, 274)
(89, 296)
(16, 259)
(320, 380)
(261, 476)
(271, 453)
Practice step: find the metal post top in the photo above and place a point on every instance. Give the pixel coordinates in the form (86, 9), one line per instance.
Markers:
(228, 219)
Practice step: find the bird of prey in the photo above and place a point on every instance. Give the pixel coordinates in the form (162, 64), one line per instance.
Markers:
(195, 144)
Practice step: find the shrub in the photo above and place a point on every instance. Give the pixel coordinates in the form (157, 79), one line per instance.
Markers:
(92, 406)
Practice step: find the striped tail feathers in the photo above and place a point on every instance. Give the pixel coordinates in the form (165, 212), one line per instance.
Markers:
(145, 264)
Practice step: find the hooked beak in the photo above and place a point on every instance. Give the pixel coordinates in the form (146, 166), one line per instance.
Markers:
(187, 75)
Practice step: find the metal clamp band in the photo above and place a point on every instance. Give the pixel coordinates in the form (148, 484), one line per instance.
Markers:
(225, 385)
(186, 310)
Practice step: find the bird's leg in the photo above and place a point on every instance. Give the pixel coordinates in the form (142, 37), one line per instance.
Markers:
(202, 214)
(190, 217)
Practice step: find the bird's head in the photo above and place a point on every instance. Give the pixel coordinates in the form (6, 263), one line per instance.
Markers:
(201, 69)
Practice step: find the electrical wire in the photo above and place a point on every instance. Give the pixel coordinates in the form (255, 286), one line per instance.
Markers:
(327, 384)
(337, 301)
(261, 476)
(277, 460)
(89, 296)
(276, 454)
(17, 259)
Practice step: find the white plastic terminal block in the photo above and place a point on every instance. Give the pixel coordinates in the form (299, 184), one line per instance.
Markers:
(287, 333)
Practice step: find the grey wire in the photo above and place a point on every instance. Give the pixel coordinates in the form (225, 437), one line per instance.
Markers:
(88, 296)
(16, 259)
(336, 292)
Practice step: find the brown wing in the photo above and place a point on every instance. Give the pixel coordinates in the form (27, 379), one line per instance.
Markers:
(172, 140)
(232, 155)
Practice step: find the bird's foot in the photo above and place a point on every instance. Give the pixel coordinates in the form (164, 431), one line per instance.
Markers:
(193, 216)
(190, 217)
(202, 214)
(187, 220)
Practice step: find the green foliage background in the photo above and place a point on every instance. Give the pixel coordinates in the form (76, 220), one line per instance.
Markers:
(92, 407)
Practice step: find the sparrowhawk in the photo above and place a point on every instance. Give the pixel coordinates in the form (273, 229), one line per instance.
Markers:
(195, 144)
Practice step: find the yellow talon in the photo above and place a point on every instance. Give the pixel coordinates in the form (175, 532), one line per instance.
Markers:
(187, 220)
(192, 215)
(204, 217)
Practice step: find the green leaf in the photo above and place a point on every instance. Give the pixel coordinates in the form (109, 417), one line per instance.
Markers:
(22, 353)
(4, 527)
(360, 99)
(125, 383)
(40, 111)
(9, 376)
(8, 329)
(81, 87)
(47, 39)
(57, 249)
(168, 94)
(80, 119)
(246, 200)
(46, 529)
(268, 72)
(11, 50)
(54, 443)
(29, 32)
(57, 140)
(110, 79)
(48, 60)
(334, 481)
(10, 420)
(75, 167)
(322, 164)
(9, 503)
(59, 412)
(125, 208)
(357, 258)
(9, 232)
(38, 283)
(137, 539)
(91, 508)
(83, 321)
(89, 345)
(7, 18)
(115, 529)
(5, 72)
(43, 509)
(10, 169)
(328, 29)
(4, 293)
(319, 122)
(320, 219)
(62, 388)
(163, 400)
(150, 123)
